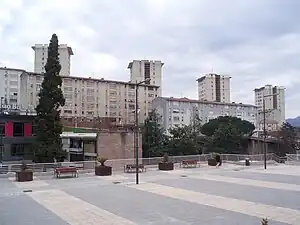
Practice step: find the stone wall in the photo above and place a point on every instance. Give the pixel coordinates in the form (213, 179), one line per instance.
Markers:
(117, 144)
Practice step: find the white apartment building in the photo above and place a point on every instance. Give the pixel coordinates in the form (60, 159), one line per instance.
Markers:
(181, 111)
(41, 55)
(10, 85)
(141, 70)
(274, 106)
(214, 87)
(94, 98)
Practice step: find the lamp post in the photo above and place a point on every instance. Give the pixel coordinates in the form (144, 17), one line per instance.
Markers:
(136, 142)
(264, 128)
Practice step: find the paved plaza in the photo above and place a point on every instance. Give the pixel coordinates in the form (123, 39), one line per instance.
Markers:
(230, 195)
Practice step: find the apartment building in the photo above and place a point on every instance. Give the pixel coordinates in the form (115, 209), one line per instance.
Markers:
(141, 70)
(41, 55)
(215, 88)
(88, 98)
(10, 85)
(274, 106)
(181, 111)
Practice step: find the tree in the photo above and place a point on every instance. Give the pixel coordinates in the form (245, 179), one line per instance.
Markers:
(181, 141)
(48, 124)
(154, 138)
(227, 134)
(227, 139)
(244, 127)
(186, 139)
(288, 138)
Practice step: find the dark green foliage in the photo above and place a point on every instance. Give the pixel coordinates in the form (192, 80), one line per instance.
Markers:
(154, 139)
(48, 125)
(227, 134)
(166, 157)
(243, 127)
(187, 139)
(288, 138)
(23, 166)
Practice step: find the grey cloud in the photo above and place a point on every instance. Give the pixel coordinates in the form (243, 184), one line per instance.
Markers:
(253, 41)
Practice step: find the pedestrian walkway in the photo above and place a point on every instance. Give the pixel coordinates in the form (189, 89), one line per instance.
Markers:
(183, 196)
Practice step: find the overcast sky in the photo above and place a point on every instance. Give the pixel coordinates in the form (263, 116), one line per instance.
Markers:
(255, 42)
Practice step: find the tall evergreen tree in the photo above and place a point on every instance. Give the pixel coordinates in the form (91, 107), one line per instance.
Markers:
(48, 124)
(153, 136)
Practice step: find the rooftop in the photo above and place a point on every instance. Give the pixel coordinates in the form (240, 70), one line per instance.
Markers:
(211, 75)
(204, 102)
(70, 51)
(151, 61)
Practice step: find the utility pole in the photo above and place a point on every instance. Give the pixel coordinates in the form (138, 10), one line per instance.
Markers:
(264, 128)
(136, 142)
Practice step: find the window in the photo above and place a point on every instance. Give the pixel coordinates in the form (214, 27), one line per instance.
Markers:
(176, 118)
(17, 150)
(18, 130)
(2, 129)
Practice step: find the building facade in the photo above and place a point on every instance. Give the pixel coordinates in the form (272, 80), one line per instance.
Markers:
(214, 88)
(41, 55)
(79, 146)
(181, 111)
(274, 106)
(89, 99)
(17, 136)
(10, 85)
(141, 70)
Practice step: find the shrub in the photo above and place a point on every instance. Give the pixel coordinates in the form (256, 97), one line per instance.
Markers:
(101, 160)
(166, 158)
(24, 166)
(264, 221)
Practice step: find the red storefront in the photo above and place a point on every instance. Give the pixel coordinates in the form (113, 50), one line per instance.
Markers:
(16, 137)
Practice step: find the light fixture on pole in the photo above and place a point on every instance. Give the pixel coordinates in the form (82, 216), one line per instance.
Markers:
(136, 142)
(264, 128)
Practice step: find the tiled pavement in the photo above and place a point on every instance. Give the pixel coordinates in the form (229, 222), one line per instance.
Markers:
(208, 196)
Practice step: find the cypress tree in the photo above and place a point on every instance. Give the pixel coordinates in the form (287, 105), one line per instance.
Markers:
(48, 125)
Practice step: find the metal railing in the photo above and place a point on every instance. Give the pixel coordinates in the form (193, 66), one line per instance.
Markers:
(292, 157)
(118, 164)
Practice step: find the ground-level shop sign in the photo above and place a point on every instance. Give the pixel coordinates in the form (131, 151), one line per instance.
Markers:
(11, 107)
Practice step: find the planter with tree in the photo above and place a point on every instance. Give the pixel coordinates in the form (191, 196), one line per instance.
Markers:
(25, 174)
(212, 161)
(102, 170)
(165, 164)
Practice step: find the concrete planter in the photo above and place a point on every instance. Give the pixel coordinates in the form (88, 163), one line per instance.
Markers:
(103, 170)
(212, 162)
(24, 176)
(166, 166)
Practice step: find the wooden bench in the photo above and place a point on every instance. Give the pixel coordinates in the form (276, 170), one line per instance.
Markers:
(65, 170)
(189, 163)
(130, 168)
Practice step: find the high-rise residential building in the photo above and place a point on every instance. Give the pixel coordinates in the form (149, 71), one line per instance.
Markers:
(274, 106)
(41, 55)
(181, 111)
(88, 98)
(214, 87)
(141, 70)
(10, 85)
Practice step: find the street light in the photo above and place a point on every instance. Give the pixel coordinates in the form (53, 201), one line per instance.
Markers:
(264, 128)
(136, 142)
